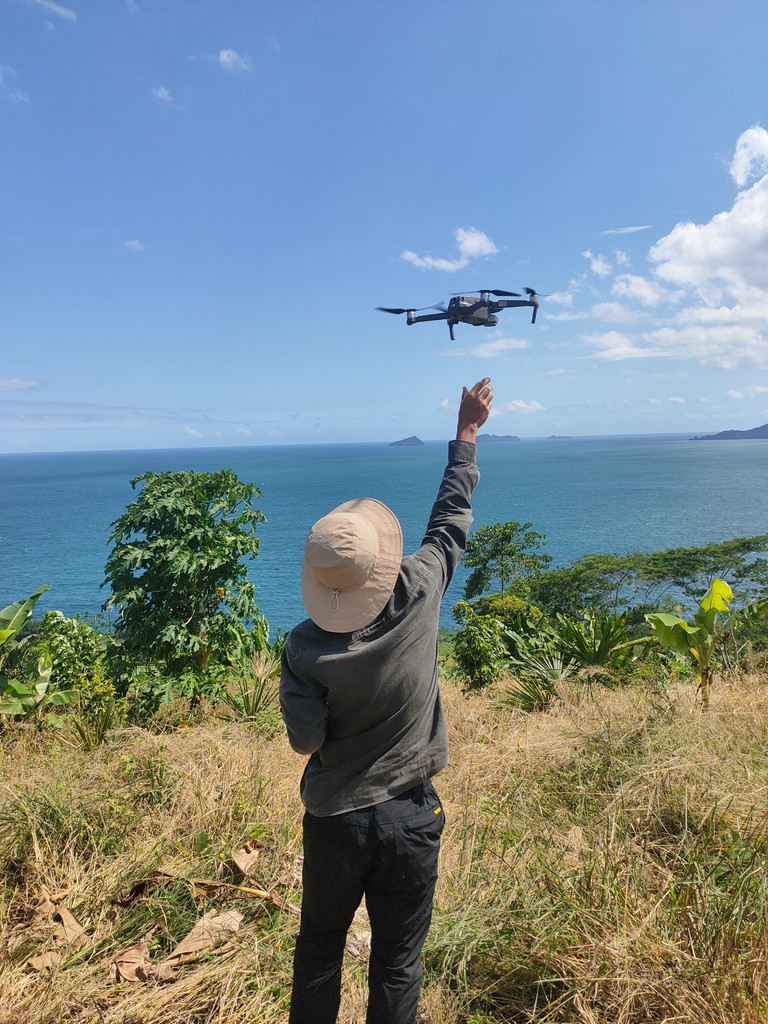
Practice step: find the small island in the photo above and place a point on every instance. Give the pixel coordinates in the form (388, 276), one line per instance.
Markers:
(496, 438)
(407, 442)
(761, 433)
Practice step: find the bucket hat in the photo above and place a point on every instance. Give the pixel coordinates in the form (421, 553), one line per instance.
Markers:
(351, 560)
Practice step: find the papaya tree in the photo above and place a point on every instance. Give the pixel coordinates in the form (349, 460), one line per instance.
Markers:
(177, 571)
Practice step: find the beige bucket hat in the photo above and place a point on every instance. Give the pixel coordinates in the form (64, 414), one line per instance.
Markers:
(351, 560)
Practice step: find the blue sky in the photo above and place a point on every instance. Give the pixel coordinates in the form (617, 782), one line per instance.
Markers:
(203, 203)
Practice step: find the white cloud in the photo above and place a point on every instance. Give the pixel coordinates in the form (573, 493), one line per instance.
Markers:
(490, 349)
(613, 345)
(614, 313)
(677, 400)
(8, 90)
(192, 431)
(63, 12)
(472, 244)
(627, 231)
(639, 289)
(751, 155)
(566, 317)
(757, 389)
(231, 60)
(598, 264)
(524, 407)
(654, 401)
(561, 298)
(134, 245)
(161, 93)
(735, 394)
(244, 430)
(706, 283)
(17, 384)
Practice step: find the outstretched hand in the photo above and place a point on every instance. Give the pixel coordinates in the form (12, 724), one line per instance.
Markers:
(474, 409)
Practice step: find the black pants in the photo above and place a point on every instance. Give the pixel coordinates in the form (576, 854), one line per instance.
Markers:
(389, 853)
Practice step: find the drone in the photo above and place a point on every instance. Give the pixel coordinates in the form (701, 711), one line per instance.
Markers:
(469, 309)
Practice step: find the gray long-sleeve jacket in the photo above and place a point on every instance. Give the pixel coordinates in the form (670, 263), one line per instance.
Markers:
(366, 705)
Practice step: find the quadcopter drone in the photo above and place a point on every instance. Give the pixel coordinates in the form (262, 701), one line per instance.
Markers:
(469, 309)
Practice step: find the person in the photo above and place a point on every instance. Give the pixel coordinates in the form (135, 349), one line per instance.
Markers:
(359, 694)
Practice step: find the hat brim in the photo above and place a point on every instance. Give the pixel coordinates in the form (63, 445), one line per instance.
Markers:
(348, 610)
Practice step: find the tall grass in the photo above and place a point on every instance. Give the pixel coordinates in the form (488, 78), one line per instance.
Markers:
(603, 861)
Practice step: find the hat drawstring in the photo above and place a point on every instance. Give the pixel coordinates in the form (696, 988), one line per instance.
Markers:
(335, 599)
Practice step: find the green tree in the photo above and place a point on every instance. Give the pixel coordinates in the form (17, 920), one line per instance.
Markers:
(176, 571)
(638, 580)
(506, 552)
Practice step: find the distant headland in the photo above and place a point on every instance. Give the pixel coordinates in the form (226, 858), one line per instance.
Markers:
(407, 442)
(735, 435)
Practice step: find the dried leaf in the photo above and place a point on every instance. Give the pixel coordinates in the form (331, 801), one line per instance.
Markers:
(45, 961)
(133, 964)
(210, 931)
(246, 857)
(69, 931)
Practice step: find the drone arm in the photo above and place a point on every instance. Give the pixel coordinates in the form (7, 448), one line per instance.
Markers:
(427, 316)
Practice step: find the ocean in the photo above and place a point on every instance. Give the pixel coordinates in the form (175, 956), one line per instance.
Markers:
(586, 495)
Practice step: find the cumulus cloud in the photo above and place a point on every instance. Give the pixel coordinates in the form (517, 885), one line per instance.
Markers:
(472, 244)
(707, 283)
(192, 431)
(598, 264)
(161, 93)
(134, 245)
(640, 289)
(17, 384)
(231, 60)
(615, 313)
(751, 155)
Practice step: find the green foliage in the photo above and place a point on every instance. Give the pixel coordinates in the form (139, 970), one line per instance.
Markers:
(177, 575)
(619, 582)
(252, 697)
(700, 640)
(479, 647)
(595, 639)
(12, 620)
(505, 552)
(33, 699)
(73, 645)
(31, 695)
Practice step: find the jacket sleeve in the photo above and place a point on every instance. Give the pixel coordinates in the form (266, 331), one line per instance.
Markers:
(451, 515)
(303, 705)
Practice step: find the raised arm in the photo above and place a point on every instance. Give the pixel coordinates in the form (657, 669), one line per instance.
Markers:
(451, 516)
(474, 409)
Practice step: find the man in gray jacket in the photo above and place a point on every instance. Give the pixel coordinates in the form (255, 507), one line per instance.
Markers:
(359, 694)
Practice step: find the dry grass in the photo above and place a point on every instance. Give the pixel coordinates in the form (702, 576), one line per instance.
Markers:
(602, 862)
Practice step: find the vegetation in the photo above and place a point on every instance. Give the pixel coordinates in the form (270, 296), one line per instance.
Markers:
(177, 572)
(606, 850)
(506, 552)
(603, 861)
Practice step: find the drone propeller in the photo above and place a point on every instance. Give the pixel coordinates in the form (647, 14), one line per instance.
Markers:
(492, 291)
(411, 309)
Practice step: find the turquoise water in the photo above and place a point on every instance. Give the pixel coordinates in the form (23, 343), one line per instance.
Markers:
(586, 495)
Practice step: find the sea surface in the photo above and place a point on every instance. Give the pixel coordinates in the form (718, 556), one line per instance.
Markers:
(586, 495)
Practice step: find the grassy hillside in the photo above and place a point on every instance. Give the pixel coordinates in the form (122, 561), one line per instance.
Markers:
(603, 862)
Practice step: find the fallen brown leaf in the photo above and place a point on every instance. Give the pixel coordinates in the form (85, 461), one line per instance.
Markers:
(45, 961)
(246, 857)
